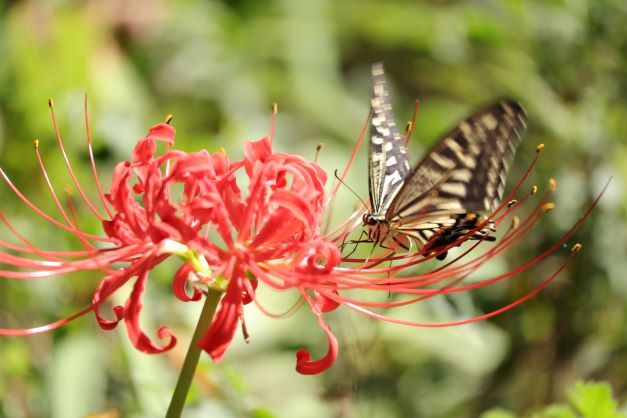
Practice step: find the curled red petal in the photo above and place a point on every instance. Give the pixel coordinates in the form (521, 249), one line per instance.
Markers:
(162, 132)
(144, 151)
(121, 172)
(257, 151)
(325, 257)
(220, 334)
(303, 363)
(179, 285)
(248, 292)
(319, 257)
(194, 164)
(118, 312)
(324, 303)
(131, 317)
(107, 286)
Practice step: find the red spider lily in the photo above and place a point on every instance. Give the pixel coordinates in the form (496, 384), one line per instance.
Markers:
(277, 222)
(144, 227)
(269, 235)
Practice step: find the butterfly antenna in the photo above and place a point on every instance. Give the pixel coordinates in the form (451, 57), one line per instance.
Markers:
(352, 191)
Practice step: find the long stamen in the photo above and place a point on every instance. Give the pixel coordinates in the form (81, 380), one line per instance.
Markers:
(318, 149)
(541, 286)
(346, 226)
(46, 216)
(504, 243)
(450, 288)
(275, 112)
(51, 269)
(104, 202)
(42, 167)
(287, 313)
(93, 254)
(168, 120)
(437, 275)
(48, 327)
(360, 139)
(67, 163)
(409, 129)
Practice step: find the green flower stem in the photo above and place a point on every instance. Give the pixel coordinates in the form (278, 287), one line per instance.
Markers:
(193, 355)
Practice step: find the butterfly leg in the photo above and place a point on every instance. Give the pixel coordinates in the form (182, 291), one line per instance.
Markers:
(354, 241)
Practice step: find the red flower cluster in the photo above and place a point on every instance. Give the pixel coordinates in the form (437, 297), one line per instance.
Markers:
(169, 203)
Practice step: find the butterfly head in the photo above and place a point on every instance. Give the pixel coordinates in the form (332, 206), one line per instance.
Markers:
(372, 219)
(373, 222)
(379, 232)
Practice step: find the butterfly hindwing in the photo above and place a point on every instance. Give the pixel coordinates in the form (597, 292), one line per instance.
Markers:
(465, 171)
(388, 160)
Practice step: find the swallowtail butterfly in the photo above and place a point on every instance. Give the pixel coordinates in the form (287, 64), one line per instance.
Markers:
(444, 196)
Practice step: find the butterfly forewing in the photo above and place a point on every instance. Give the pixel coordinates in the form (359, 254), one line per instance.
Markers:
(462, 176)
(388, 162)
(465, 171)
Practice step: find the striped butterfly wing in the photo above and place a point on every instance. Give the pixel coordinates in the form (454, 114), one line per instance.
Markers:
(464, 173)
(388, 162)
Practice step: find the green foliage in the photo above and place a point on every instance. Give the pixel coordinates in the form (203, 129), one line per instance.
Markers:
(585, 400)
(594, 400)
(498, 413)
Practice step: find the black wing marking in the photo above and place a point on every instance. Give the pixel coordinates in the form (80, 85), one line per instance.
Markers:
(465, 171)
(388, 160)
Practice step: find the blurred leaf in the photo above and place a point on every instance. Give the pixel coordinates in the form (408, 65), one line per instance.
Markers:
(594, 400)
(498, 413)
(261, 413)
(77, 380)
(556, 411)
(106, 414)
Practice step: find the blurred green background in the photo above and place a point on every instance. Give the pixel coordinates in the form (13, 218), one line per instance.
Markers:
(217, 66)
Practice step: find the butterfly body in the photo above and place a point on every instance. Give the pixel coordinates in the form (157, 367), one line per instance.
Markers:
(444, 196)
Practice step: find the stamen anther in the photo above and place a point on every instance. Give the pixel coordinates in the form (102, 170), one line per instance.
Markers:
(511, 203)
(552, 184)
(36, 143)
(50, 103)
(169, 118)
(534, 189)
(540, 147)
(515, 222)
(408, 127)
(548, 206)
(318, 149)
(576, 248)
(244, 328)
(275, 108)
(69, 191)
